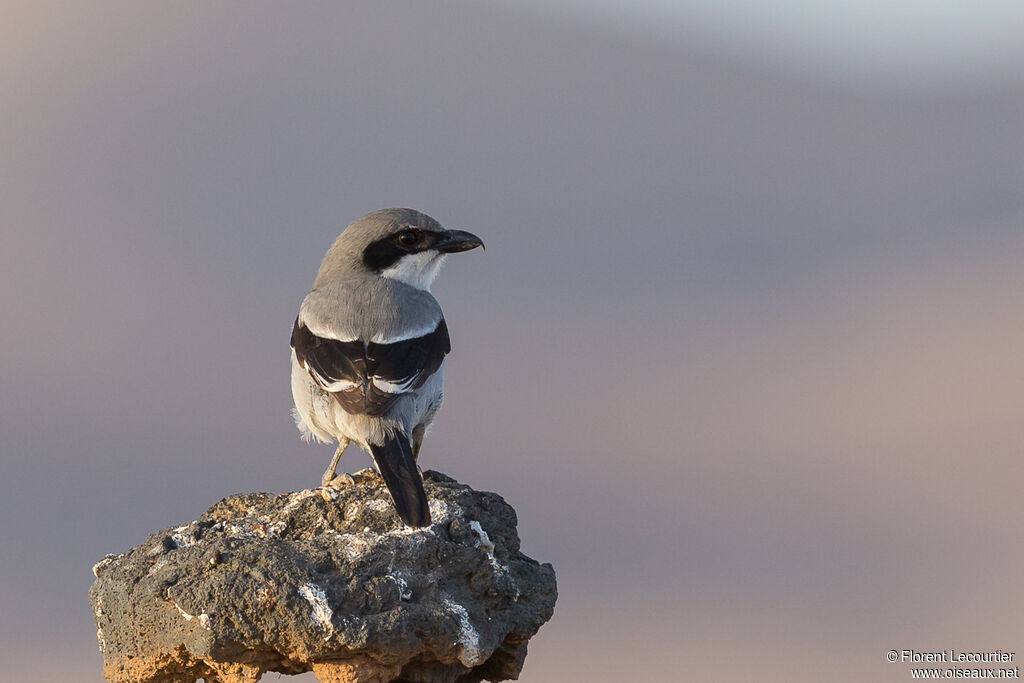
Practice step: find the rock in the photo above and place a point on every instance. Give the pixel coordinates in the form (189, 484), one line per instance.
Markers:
(329, 581)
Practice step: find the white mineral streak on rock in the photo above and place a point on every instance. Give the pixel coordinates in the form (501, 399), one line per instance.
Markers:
(102, 564)
(484, 542)
(356, 546)
(243, 530)
(441, 512)
(272, 525)
(415, 534)
(404, 592)
(377, 505)
(322, 612)
(203, 619)
(469, 639)
(99, 629)
(296, 498)
(180, 539)
(359, 545)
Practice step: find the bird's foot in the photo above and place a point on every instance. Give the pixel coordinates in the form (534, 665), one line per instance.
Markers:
(329, 487)
(340, 481)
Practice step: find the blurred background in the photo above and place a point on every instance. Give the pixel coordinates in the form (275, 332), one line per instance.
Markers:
(744, 350)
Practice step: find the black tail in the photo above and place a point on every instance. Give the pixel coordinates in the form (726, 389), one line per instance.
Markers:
(398, 467)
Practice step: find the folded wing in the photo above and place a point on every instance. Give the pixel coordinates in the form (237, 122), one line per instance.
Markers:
(367, 377)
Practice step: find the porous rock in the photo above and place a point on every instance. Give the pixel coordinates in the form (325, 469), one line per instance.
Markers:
(330, 581)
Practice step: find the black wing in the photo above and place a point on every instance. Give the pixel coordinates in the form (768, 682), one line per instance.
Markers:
(366, 377)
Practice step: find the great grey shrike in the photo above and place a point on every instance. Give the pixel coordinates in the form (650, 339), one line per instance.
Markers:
(368, 347)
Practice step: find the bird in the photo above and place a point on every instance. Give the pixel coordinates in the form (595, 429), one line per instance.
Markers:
(368, 348)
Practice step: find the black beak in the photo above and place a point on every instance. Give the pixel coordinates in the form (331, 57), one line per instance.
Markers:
(458, 240)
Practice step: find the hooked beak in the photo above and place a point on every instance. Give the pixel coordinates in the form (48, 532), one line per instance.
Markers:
(458, 240)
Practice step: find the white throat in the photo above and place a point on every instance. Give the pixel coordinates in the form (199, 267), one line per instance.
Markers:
(417, 270)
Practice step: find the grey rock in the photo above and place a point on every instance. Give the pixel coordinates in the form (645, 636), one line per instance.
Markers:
(330, 581)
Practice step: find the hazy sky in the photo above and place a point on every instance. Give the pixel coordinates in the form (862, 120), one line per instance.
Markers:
(895, 43)
(743, 350)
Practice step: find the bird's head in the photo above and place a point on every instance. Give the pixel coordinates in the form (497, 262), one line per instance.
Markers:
(402, 244)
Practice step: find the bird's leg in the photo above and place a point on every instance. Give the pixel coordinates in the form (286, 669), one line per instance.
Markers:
(417, 439)
(329, 478)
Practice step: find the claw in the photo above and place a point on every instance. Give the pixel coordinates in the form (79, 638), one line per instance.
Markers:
(340, 481)
(329, 487)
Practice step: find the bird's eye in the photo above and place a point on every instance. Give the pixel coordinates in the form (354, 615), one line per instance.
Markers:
(408, 237)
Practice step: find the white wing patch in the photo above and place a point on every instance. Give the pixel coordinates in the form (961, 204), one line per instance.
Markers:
(394, 387)
(327, 384)
(336, 385)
